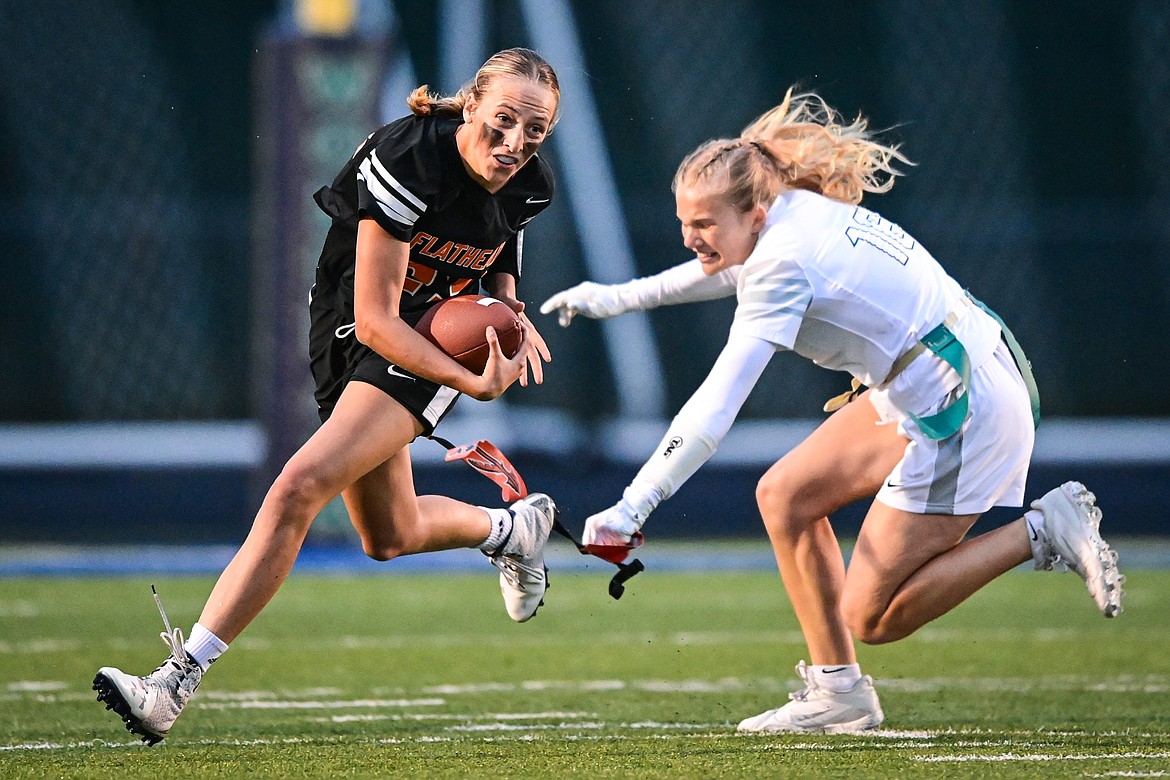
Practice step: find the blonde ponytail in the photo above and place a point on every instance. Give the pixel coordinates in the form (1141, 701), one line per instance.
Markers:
(800, 144)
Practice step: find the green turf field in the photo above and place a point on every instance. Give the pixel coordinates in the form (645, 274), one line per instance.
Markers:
(424, 676)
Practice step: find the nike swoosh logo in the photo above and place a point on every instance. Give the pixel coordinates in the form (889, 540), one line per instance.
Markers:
(832, 671)
(890, 484)
(394, 370)
(536, 200)
(1035, 537)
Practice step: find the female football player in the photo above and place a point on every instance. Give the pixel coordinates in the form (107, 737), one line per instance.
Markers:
(429, 207)
(943, 433)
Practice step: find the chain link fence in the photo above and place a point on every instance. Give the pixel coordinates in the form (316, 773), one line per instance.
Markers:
(1041, 137)
(103, 221)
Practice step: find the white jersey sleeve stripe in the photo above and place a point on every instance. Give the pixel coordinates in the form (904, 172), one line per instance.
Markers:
(395, 208)
(519, 253)
(386, 176)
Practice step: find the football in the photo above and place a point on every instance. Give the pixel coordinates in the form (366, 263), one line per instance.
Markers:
(457, 325)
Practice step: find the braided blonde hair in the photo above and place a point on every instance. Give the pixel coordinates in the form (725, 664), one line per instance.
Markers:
(800, 144)
(509, 63)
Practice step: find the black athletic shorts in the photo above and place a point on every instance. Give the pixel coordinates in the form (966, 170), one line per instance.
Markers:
(336, 358)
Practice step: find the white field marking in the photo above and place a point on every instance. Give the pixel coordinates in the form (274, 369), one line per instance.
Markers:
(846, 741)
(48, 698)
(35, 686)
(1125, 683)
(701, 686)
(97, 743)
(1038, 757)
(498, 726)
(1155, 773)
(352, 642)
(651, 724)
(737, 637)
(1151, 684)
(38, 646)
(250, 695)
(19, 609)
(448, 641)
(526, 726)
(214, 695)
(951, 635)
(357, 718)
(724, 685)
(286, 704)
(454, 716)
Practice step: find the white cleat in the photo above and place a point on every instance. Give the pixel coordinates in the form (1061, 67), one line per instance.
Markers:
(150, 705)
(1071, 522)
(819, 710)
(520, 558)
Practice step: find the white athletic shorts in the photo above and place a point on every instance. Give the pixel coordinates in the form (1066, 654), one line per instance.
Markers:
(985, 464)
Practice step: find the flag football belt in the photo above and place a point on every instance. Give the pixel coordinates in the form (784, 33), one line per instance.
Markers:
(943, 343)
(487, 459)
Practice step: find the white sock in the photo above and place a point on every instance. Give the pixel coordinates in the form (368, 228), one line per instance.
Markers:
(501, 528)
(204, 646)
(836, 677)
(1038, 538)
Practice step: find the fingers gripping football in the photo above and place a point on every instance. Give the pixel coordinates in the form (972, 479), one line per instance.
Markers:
(596, 301)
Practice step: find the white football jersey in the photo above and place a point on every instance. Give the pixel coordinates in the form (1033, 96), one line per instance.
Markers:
(852, 291)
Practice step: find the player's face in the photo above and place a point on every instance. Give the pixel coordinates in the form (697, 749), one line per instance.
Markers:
(719, 234)
(504, 128)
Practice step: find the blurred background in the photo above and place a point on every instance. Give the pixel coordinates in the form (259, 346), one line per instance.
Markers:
(157, 235)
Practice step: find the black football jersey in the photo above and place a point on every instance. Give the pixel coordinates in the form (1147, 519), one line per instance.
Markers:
(409, 177)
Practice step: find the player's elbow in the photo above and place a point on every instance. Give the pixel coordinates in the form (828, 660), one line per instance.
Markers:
(365, 329)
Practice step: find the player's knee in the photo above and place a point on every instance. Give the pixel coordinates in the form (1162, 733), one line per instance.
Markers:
(381, 550)
(770, 490)
(775, 494)
(870, 633)
(865, 628)
(871, 625)
(297, 493)
(384, 543)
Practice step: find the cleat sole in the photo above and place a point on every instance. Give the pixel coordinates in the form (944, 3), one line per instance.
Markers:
(107, 693)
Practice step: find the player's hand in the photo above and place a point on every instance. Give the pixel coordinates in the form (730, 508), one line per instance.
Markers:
(596, 301)
(615, 526)
(500, 371)
(537, 353)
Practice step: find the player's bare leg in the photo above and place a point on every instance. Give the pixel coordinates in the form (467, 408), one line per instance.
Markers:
(335, 456)
(391, 521)
(845, 459)
(908, 569)
(366, 428)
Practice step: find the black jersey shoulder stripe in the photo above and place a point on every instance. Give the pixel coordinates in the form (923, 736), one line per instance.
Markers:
(386, 176)
(386, 193)
(386, 190)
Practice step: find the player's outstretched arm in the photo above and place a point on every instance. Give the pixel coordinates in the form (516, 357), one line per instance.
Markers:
(683, 283)
(691, 440)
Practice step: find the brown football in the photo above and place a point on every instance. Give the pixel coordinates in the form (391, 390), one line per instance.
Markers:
(457, 326)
